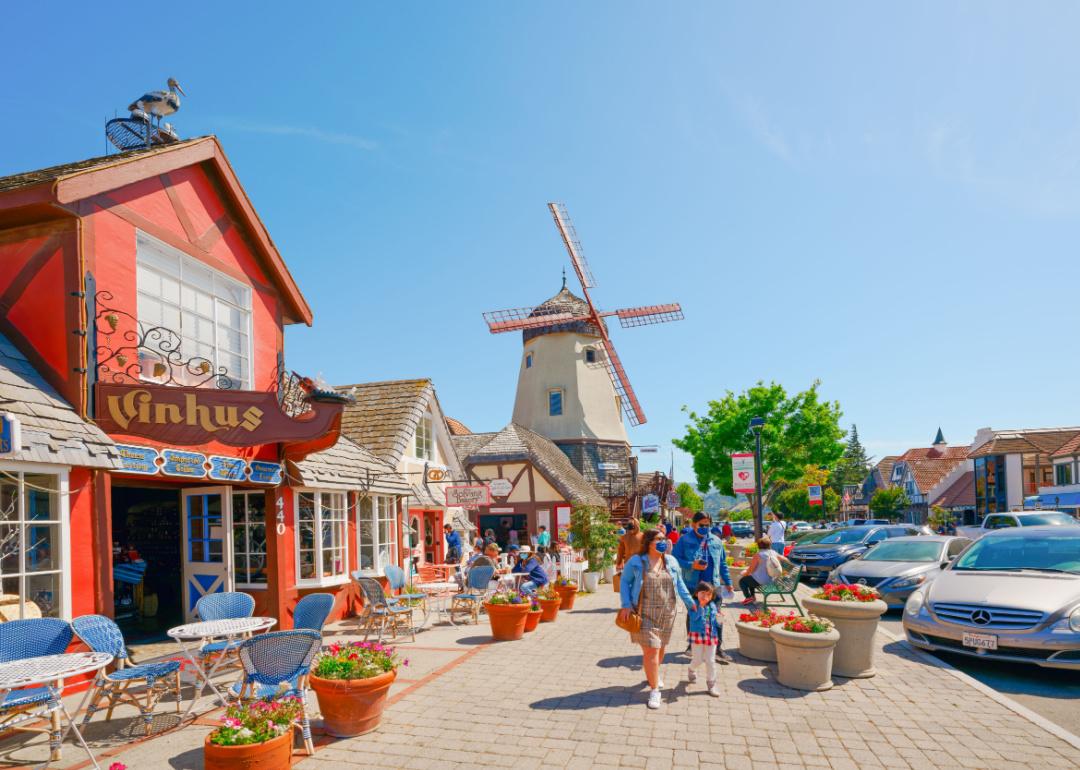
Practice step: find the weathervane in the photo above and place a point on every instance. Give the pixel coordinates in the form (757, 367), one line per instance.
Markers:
(144, 127)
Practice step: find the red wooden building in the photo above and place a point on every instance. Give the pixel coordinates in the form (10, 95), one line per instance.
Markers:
(143, 304)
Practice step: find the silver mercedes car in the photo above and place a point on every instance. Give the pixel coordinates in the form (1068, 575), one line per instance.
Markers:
(898, 566)
(1014, 595)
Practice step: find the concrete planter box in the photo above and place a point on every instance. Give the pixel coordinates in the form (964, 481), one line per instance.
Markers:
(804, 660)
(609, 573)
(735, 551)
(592, 581)
(857, 623)
(755, 642)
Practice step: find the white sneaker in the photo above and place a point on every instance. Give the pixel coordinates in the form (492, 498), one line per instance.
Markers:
(659, 684)
(691, 676)
(712, 690)
(654, 698)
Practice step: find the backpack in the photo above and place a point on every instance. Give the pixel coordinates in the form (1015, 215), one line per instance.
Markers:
(772, 564)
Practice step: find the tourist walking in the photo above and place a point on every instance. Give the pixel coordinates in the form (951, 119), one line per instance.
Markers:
(726, 530)
(763, 569)
(543, 540)
(650, 584)
(704, 636)
(453, 545)
(629, 544)
(776, 532)
(702, 557)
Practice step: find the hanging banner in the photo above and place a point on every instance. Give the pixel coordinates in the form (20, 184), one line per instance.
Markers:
(501, 487)
(188, 416)
(743, 480)
(814, 490)
(468, 496)
(650, 504)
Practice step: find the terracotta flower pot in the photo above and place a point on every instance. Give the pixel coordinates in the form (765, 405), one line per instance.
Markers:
(755, 642)
(274, 754)
(549, 610)
(857, 623)
(804, 660)
(567, 594)
(352, 706)
(507, 621)
(532, 620)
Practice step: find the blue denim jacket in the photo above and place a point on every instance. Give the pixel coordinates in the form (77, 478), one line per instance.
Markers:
(632, 576)
(686, 551)
(702, 615)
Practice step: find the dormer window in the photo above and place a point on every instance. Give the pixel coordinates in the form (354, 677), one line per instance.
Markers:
(424, 446)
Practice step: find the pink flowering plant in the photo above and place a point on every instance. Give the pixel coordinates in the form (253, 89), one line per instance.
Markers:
(257, 721)
(356, 660)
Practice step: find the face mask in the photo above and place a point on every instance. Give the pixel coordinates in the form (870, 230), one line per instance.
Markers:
(661, 546)
(703, 531)
(622, 532)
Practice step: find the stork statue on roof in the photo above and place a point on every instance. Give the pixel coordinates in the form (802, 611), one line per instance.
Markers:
(572, 385)
(160, 104)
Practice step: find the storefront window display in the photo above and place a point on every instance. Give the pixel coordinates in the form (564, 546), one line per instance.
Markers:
(377, 533)
(321, 524)
(31, 555)
(249, 538)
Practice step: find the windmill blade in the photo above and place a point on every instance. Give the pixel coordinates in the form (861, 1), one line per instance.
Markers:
(517, 319)
(629, 400)
(573, 245)
(647, 315)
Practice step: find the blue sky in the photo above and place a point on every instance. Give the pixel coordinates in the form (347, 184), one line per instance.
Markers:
(886, 199)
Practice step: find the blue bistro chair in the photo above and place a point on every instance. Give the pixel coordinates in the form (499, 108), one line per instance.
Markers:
(381, 612)
(101, 634)
(470, 600)
(276, 665)
(395, 576)
(226, 605)
(312, 611)
(30, 638)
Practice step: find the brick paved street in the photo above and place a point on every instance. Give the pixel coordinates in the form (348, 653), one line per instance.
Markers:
(572, 695)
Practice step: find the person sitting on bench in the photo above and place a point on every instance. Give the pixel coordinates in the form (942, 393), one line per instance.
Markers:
(764, 568)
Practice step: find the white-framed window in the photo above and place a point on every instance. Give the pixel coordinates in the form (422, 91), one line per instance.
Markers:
(209, 311)
(249, 538)
(321, 542)
(376, 533)
(423, 447)
(34, 562)
(555, 402)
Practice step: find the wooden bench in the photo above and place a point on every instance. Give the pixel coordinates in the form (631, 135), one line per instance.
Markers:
(785, 585)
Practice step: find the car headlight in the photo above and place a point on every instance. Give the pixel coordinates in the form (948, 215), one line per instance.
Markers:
(908, 582)
(914, 604)
(1074, 621)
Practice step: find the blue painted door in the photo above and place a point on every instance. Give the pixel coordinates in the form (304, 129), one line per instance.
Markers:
(207, 546)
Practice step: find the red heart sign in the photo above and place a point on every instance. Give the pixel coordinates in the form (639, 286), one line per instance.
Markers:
(743, 475)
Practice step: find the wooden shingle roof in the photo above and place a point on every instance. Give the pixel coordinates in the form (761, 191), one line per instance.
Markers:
(385, 414)
(346, 464)
(960, 494)
(1045, 441)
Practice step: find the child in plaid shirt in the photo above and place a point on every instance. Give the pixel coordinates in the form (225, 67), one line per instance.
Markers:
(704, 636)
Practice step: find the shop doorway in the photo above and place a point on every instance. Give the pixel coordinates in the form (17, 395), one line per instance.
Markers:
(207, 544)
(433, 539)
(147, 560)
(508, 528)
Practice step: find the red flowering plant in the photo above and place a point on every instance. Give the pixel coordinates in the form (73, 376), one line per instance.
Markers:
(847, 592)
(807, 624)
(356, 660)
(764, 619)
(257, 721)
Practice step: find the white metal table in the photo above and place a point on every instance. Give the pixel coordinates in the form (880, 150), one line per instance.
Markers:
(438, 597)
(51, 670)
(192, 636)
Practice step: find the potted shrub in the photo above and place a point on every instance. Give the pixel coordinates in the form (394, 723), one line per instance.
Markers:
(550, 601)
(351, 682)
(256, 735)
(567, 590)
(597, 536)
(507, 613)
(804, 651)
(733, 547)
(532, 619)
(854, 610)
(755, 641)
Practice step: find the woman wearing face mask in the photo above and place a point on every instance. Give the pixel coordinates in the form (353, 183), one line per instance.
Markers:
(651, 580)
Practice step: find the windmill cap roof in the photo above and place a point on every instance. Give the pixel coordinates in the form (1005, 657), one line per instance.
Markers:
(563, 302)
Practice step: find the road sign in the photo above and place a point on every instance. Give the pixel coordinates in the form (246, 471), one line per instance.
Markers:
(814, 490)
(501, 487)
(650, 504)
(742, 473)
(468, 496)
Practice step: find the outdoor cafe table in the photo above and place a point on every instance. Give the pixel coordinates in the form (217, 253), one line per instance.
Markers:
(438, 595)
(192, 636)
(50, 670)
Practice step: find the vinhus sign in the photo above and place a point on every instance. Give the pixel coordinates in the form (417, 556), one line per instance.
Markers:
(189, 416)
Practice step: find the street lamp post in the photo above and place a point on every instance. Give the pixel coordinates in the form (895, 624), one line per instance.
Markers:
(756, 424)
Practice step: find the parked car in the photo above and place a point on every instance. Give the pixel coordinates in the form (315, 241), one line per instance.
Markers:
(799, 526)
(800, 538)
(1013, 595)
(993, 521)
(742, 529)
(897, 566)
(864, 522)
(841, 545)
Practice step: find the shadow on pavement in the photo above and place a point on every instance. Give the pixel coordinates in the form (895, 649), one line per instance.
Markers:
(187, 760)
(470, 641)
(596, 611)
(633, 662)
(602, 697)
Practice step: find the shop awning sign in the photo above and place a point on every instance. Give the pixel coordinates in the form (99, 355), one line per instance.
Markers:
(742, 473)
(501, 487)
(179, 463)
(468, 496)
(264, 472)
(227, 468)
(176, 462)
(138, 459)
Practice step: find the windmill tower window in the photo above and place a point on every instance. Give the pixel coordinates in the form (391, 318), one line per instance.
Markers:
(528, 361)
(555, 402)
(590, 355)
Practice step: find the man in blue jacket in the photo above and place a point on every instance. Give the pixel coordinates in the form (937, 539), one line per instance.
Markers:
(702, 557)
(453, 545)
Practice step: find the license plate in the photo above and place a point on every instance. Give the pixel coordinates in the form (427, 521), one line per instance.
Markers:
(980, 641)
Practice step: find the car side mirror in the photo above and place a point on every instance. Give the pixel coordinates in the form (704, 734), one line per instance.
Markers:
(872, 542)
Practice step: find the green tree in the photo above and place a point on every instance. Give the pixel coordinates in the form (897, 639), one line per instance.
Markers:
(853, 466)
(595, 534)
(938, 518)
(799, 430)
(744, 515)
(689, 498)
(889, 503)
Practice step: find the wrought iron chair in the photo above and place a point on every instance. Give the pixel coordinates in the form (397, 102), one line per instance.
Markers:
(477, 585)
(226, 605)
(29, 638)
(785, 585)
(101, 634)
(379, 611)
(276, 665)
(312, 611)
(395, 576)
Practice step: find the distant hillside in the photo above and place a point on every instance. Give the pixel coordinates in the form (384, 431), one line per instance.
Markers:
(715, 502)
